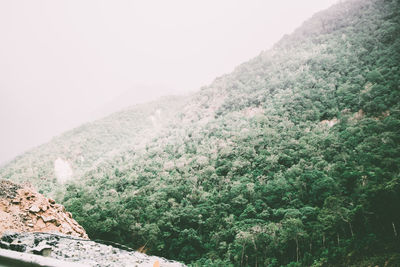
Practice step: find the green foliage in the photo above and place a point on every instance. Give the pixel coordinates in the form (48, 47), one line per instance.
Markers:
(291, 160)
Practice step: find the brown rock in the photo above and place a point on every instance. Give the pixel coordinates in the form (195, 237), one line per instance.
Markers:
(34, 209)
(48, 218)
(24, 210)
(3, 205)
(40, 224)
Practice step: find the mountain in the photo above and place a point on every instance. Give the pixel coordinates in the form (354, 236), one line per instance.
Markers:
(290, 160)
(138, 94)
(73, 153)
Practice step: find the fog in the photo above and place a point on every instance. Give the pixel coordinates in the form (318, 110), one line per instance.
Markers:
(63, 63)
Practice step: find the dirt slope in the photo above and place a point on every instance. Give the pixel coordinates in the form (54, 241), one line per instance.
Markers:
(22, 209)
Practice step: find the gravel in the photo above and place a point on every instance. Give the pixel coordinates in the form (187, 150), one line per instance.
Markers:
(77, 250)
(8, 189)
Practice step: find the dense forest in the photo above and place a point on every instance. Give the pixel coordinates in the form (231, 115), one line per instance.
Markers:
(290, 160)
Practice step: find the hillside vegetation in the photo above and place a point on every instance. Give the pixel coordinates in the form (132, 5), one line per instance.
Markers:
(85, 147)
(290, 160)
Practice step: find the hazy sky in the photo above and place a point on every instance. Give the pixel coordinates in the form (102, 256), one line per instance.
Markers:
(62, 60)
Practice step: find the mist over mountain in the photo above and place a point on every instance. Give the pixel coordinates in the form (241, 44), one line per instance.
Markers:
(138, 94)
(60, 61)
(292, 159)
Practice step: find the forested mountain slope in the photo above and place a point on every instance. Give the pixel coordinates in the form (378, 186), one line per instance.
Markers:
(292, 159)
(86, 146)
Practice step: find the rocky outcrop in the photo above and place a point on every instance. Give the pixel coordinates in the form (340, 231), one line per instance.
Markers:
(33, 224)
(78, 250)
(22, 209)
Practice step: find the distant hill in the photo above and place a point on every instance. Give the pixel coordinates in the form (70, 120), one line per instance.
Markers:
(84, 147)
(290, 160)
(137, 94)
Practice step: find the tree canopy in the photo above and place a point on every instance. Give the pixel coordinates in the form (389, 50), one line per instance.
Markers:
(290, 160)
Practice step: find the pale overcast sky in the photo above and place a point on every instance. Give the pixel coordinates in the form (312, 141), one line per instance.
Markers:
(62, 60)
